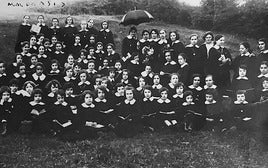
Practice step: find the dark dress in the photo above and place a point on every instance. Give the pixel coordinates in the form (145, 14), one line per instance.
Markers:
(177, 47)
(195, 60)
(23, 35)
(106, 37)
(69, 33)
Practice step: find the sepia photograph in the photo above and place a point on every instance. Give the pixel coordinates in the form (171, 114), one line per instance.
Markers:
(134, 83)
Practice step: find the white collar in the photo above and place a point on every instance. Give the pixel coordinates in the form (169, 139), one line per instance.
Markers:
(211, 87)
(113, 52)
(213, 102)
(139, 88)
(245, 55)
(99, 51)
(32, 66)
(143, 41)
(75, 44)
(42, 56)
(117, 94)
(154, 40)
(130, 37)
(3, 74)
(264, 52)
(66, 78)
(17, 75)
(42, 77)
(57, 71)
(53, 27)
(134, 62)
(237, 102)
(87, 106)
(93, 71)
(176, 41)
(110, 79)
(176, 96)
(145, 74)
(186, 104)
(146, 99)
(171, 63)
(159, 86)
(81, 83)
(242, 77)
(161, 41)
(64, 103)
(261, 75)
(199, 88)
(24, 24)
(59, 52)
(107, 30)
(125, 81)
(2, 101)
(171, 85)
(38, 24)
(131, 102)
(264, 90)
(183, 65)
(51, 94)
(24, 93)
(86, 30)
(15, 64)
(99, 100)
(33, 103)
(190, 45)
(163, 101)
(28, 54)
(85, 61)
(69, 25)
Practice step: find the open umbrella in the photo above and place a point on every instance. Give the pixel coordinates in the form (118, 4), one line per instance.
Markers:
(136, 17)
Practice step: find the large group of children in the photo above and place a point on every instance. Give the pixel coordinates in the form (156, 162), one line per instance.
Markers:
(66, 81)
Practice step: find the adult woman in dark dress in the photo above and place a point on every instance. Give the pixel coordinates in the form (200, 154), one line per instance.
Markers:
(23, 33)
(154, 34)
(218, 63)
(175, 44)
(55, 29)
(208, 38)
(69, 31)
(162, 46)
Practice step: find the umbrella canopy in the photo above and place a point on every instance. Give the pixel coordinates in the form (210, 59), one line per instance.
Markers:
(136, 17)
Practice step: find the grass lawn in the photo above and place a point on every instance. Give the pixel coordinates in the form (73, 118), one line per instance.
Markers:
(161, 149)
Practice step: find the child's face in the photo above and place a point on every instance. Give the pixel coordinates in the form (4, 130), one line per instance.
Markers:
(112, 74)
(162, 34)
(193, 40)
(263, 69)
(54, 40)
(174, 79)
(70, 59)
(148, 69)
(60, 98)
(58, 47)
(156, 79)
(88, 99)
(13, 88)
(265, 84)
(83, 77)
(196, 81)
(189, 99)
(19, 59)
(104, 25)
(208, 39)
(261, 45)
(69, 73)
(69, 20)
(41, 50)
(179, 90)
(153, 35)
(25, 48)
(98, 81)
(129, 95)
(101, 94)
(77, 68)
(168, 56)
(99, 47)
(54, 66)
(173, 36)
(242, 72)
(90, 23)
(54, 88)
(77, 39)
(91, 66)
(29, 88)
(41, 39)
(55, 22)
(40, 19)
(136, 58)
(5, 96)
(241, 97)
(33, 60)
(181, 60)
(33, 40)
(145, 35)
(26, 19)
(2, 68)
(105, 62)
(164, 95)
(104, 83)
(209, 81)
(147, 93)
(124, 75)
(92, 39)
(120, 90)
(82, 55)
(69, 91)
(118, 65)
(91, 51)
(220, 41)
(141, 82)
(109, 49)
(22, 69)
(209, 97)
(37, 97)
(83, 25)
(242, 49)
(39, 70)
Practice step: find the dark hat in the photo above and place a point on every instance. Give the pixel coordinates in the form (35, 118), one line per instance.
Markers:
(218, 36)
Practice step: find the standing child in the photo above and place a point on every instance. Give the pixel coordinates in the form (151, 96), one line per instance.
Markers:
(105, 34)
(112, 56)
(184, 69)
(76, 47)
(23, 32)
(83, 33)
(68, 77)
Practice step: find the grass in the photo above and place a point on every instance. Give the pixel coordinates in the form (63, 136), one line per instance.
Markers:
(150, 150)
